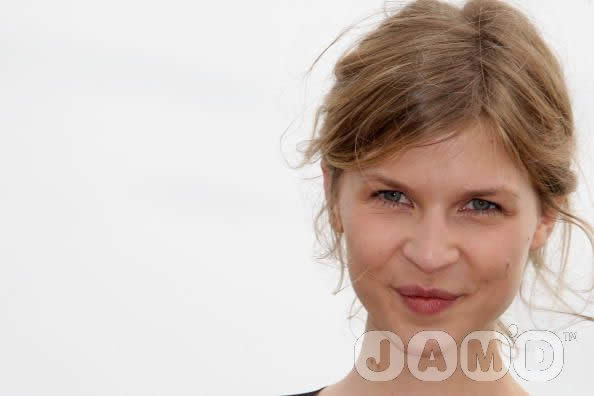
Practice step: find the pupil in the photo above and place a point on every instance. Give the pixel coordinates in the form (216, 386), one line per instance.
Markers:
(482, 204)
(395, 195)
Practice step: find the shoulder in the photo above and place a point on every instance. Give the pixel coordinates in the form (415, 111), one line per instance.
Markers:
(312, 393)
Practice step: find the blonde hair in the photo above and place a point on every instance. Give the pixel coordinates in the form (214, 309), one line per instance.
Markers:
(428, 70)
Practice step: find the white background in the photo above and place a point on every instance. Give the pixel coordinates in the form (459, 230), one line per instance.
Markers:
(154, 240)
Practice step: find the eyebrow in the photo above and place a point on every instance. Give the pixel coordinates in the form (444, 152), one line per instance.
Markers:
(480, 192)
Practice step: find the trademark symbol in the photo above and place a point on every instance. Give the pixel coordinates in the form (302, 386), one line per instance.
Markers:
(570, 336)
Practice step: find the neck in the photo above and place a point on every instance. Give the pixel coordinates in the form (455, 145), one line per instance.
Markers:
(374, 361)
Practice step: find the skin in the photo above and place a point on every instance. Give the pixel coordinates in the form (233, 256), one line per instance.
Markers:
(436, 236)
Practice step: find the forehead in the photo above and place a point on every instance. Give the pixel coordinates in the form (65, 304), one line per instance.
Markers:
(471, 158)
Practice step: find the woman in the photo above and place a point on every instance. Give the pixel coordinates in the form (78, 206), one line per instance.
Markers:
(446, 148)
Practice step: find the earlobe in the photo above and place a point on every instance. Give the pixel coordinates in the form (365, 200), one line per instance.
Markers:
(327, 180)
(544, 227)
(540, 235)
(335, 221)
(326, 176)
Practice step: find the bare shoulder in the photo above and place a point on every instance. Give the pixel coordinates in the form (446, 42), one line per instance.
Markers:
(518, 391)
(334, 390)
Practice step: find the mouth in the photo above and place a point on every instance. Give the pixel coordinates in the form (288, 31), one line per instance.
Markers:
(427, 306)
(427, 301)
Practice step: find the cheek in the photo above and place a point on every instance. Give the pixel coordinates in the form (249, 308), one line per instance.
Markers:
(370, 241)
(498, 266)
(370, 245)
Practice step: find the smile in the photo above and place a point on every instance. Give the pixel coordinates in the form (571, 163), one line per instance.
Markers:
(427, 305)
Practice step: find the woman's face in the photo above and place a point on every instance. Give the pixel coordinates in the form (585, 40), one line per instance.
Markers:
(418, 220)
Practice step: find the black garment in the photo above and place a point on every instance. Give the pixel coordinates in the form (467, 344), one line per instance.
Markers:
(312, 393)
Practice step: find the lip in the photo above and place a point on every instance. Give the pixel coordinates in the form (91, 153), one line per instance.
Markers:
(418, 291)
(426, 301)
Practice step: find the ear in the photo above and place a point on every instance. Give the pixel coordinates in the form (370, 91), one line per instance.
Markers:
(545, 225)
(334, 213)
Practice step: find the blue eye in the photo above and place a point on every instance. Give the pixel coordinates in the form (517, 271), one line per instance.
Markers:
(484, 207)
(479, 206)
(390, 198)
(393, 194)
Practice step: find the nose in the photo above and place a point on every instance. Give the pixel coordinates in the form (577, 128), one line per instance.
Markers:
(431, 246)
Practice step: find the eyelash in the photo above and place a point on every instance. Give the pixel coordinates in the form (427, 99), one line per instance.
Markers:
(494, 211)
